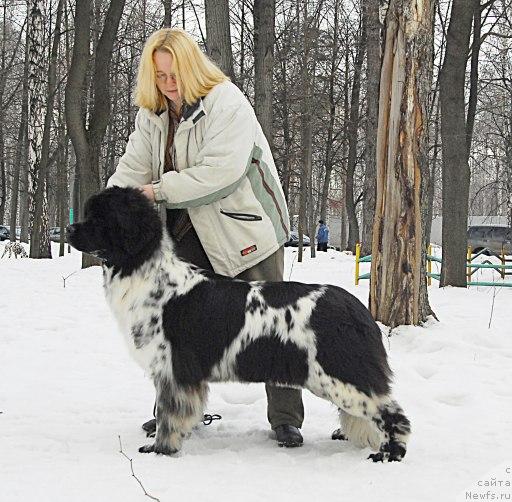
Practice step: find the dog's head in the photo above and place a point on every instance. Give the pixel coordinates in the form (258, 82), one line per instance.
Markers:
(120, 226)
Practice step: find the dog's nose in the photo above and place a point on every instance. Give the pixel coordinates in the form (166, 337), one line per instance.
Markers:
(70, 230)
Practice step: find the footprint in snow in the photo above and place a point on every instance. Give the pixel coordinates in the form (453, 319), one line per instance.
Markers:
(453, 399)
(426, 372)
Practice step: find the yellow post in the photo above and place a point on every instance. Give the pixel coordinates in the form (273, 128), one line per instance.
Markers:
(429, 266)
(358, 253)
(468, 269)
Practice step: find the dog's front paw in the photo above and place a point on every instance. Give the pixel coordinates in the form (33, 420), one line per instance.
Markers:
(154, 448)
(378, 457)
(338, 435)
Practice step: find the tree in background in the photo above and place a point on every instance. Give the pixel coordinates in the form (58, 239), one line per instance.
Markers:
(218, 35)
(264, 26)
(371, 12)
(397, 270)
(87, 121)
(38, 202)
(456, 174)
(39, 238)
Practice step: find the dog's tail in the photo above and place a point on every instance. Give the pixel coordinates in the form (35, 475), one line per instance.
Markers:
(360, 431)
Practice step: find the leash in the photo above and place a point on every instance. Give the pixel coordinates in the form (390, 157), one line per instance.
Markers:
(208, 419)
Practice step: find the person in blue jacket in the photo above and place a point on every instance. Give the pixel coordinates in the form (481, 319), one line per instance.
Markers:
(322, 237)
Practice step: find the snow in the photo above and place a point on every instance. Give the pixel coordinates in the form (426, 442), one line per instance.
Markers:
(69, 389)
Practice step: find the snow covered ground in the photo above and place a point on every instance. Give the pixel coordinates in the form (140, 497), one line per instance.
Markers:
(68, 390)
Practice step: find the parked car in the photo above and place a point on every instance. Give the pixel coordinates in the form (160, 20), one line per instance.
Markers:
(4, 233)
(294, 239)
(55, 234)
(493, 238)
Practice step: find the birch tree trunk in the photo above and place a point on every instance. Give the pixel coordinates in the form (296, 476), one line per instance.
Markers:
(456, 174)
(40, 238)
(38, 223)
(218, 35)
(398, 284)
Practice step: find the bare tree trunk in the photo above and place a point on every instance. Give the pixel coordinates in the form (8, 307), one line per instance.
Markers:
(456, 174)
(397, 278)
(432, 178)
(264, 18)
(353, 126)
(167, 13)
(38, 220)
(329, 160)
(286, 164)
(473, 77)
(18, 156)
(242, 41)
(218, 35)
(40, 239)
(24, 196)
(3, 81)
(305, 126)
(87, 142)
(372, 98)
(344, 145)
(62, 173)
(343, 231)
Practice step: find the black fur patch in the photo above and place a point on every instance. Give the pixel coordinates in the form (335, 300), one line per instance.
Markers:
(201, 324)
(282, 294)
(267, 359)
(349, 343)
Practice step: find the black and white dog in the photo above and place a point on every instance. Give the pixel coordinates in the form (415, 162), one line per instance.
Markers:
(187, 327)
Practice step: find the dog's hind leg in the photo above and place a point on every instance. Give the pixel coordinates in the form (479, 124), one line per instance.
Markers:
(178, 409)
(358, 430)
(396, 428)
(377, 421)
(367, 420)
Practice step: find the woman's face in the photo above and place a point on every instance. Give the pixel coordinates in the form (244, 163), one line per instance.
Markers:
(165, 77)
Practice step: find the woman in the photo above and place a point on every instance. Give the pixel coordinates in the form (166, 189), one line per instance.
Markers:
(199, 150)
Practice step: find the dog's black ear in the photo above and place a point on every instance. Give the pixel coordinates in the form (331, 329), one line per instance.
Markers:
(139, 227)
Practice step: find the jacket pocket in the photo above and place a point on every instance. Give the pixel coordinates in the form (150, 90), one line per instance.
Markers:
(241, 216)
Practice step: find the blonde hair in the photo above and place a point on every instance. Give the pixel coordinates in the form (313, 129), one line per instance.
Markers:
(196, 74)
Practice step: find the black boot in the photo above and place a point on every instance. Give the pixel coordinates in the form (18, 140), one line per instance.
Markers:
(288, 435)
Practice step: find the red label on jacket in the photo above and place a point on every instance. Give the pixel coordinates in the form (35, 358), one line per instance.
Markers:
(248, 250)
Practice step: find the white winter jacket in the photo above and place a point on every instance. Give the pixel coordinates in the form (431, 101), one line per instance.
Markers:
(225, 176)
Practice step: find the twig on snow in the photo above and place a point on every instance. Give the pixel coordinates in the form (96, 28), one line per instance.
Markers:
(492, 305)
(133, 473)
(64, 278)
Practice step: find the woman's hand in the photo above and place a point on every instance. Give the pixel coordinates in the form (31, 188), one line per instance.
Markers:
(147, 190)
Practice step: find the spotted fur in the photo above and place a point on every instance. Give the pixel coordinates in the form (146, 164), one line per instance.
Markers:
(187, 327)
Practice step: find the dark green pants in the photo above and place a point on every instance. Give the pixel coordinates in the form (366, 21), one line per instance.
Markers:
(284, 404)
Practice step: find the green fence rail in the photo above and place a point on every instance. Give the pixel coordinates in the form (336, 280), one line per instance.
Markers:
(471, 268)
